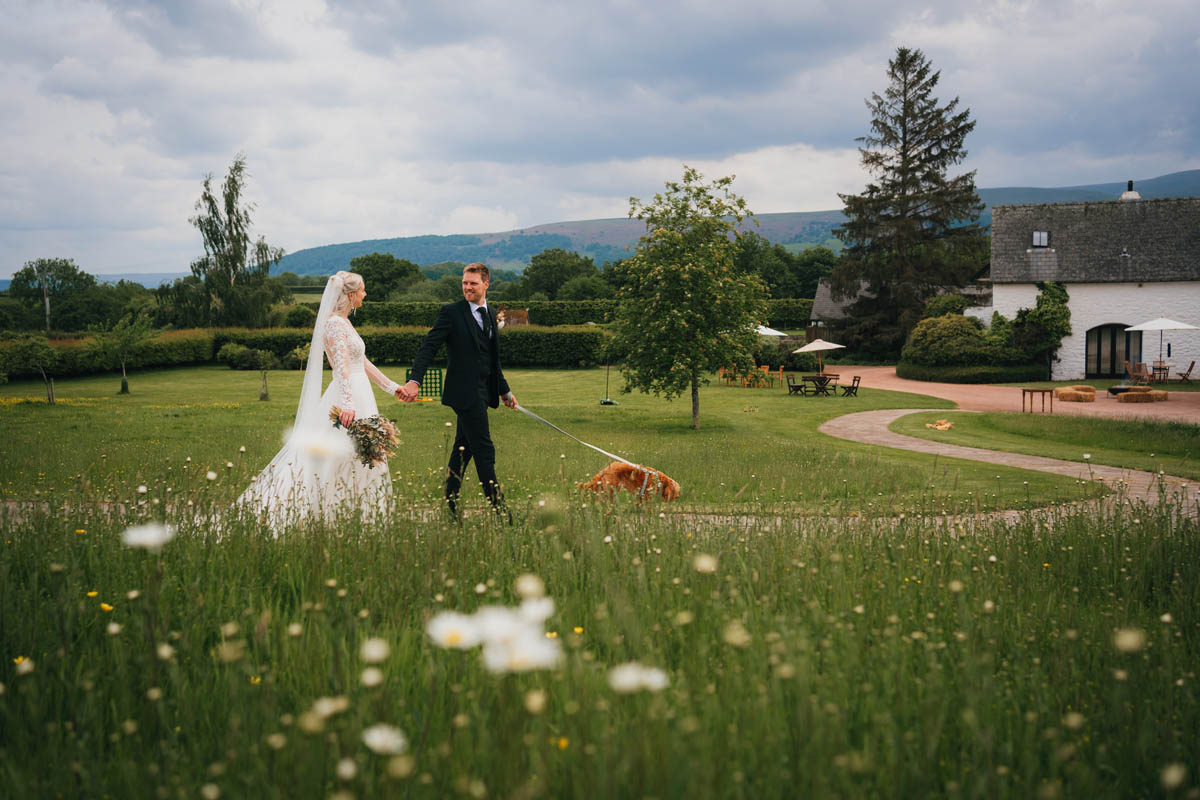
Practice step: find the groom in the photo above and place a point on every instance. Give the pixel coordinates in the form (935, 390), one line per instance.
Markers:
(474, 382)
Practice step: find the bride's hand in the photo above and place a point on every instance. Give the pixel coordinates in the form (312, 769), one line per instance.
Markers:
(346, 417)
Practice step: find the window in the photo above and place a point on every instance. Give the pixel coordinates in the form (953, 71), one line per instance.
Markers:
(1041, 238)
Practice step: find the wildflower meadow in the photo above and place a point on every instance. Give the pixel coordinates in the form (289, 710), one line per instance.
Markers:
(812, 618)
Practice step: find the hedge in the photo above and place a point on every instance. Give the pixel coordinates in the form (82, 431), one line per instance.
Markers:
(173, 348)
(787, 313)
(975, 373)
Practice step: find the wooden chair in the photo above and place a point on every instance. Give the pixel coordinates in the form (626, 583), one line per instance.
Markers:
(852, 389)
(1138, 376)
(1186, 377)
(796, 388)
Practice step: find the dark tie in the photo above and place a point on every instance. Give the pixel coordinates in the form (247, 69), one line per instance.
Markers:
(486, 319)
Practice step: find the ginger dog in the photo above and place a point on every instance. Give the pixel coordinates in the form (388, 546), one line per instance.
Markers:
(622, 476)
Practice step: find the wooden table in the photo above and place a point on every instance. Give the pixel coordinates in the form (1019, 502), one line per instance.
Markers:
(1160, 372)
(1025, 391)
(821, 382)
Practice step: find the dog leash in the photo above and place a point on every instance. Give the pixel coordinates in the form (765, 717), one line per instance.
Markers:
(528, 413)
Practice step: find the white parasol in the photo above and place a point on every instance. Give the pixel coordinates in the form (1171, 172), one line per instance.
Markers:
(1162, 324)
(763, 330)
(818, 346)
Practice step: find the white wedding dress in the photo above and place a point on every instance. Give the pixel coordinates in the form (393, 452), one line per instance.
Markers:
(317, 474)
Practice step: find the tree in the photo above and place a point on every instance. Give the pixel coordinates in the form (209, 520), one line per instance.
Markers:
(913, 231)
(235, 270)
(550, 269)
(44, 279)
(684, 309)
(34, 352)
(585, 287)
(120, 341)
(1039, 331)
(385, 274)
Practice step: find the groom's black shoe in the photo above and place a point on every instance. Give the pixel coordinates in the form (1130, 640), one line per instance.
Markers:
(452, 509)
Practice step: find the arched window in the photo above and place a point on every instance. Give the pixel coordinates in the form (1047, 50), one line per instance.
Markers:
(1109, 347)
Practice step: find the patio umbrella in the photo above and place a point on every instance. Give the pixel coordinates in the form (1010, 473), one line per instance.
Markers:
(818, 346)
(1162, 324)
(763, 330)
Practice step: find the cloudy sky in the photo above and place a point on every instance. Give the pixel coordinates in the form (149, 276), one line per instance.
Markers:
(378, 118)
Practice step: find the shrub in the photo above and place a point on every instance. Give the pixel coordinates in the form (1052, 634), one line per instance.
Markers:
(232, 354)
(976, 373)
(789, 312)
(297, 358)
(945, 304)
(300, 316)
(775, 354)
(237, 356)
(168, 349)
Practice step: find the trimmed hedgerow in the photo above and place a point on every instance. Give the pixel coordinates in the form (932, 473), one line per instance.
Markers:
(974, 373)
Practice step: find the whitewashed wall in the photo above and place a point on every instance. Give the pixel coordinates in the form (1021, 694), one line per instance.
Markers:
(1095, 304)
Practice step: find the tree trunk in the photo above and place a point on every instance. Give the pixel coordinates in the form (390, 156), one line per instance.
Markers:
(124, 380)
(46, 300)
(695, 401)
(49, 381)
(263, 394)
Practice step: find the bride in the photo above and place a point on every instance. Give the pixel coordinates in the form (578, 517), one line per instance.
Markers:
(317, 472)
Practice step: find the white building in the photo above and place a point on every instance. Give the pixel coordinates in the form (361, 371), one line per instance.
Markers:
(1123, 262)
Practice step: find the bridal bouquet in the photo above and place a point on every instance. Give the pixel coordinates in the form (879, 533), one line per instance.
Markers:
(375, 438)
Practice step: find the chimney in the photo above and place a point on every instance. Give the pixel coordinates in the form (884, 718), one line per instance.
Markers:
(1130, 194)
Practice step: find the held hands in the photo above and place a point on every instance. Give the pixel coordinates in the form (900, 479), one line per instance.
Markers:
(408, 392)
(509, 400)
(346, 417)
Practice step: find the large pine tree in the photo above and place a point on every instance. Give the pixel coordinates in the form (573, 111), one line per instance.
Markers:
(914, 230)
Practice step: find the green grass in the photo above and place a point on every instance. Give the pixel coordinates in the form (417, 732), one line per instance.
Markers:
(757, 450)
(1170, 447)
(822, 658)
(828, 655)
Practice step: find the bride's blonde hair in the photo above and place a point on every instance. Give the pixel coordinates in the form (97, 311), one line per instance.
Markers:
(351, 282)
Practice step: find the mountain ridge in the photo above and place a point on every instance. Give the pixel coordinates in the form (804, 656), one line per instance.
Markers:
(608, 239)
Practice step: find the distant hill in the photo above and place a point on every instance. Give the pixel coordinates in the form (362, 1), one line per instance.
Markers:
(607, 239)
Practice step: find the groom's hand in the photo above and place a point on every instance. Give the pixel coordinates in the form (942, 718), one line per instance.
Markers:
(409, 391)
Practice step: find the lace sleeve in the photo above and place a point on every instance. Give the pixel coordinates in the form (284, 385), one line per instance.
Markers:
(381, 380)
(337, 348)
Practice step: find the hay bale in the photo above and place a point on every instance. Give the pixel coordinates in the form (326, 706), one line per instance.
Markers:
(1159, 395)
(1139, 388)
(1083, 388)
(1070, 395)
(1135, 397)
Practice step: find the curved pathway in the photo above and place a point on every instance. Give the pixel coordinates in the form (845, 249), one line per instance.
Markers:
(871, 427)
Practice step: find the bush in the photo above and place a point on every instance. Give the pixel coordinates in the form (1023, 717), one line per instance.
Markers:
(168, 349)
(300, 316)
(774, 354)
(945, 304)
(237, 356)
(296, 358)
(953, 340)
(789, 313)
(977, 373)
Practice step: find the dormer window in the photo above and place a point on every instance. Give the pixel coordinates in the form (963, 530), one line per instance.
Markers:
(1041, 238)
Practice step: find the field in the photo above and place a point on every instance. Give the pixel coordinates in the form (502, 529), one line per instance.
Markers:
(831, 638)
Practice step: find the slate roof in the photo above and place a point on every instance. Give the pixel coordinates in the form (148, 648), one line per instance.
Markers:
(1122, 241)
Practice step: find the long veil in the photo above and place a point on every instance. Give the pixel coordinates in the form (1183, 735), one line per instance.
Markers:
(300, 481)
(308, 410)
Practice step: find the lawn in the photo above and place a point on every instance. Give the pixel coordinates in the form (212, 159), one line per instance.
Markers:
(1149, 445)
(808, 648)
(757, 450)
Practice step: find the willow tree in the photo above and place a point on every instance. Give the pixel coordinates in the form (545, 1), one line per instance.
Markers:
(684, 309)
(913, 231)
(235, 269)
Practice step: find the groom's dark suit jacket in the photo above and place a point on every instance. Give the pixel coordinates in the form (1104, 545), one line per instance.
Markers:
(470, 356)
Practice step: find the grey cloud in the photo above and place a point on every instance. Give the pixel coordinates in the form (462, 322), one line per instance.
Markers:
(185, 27)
